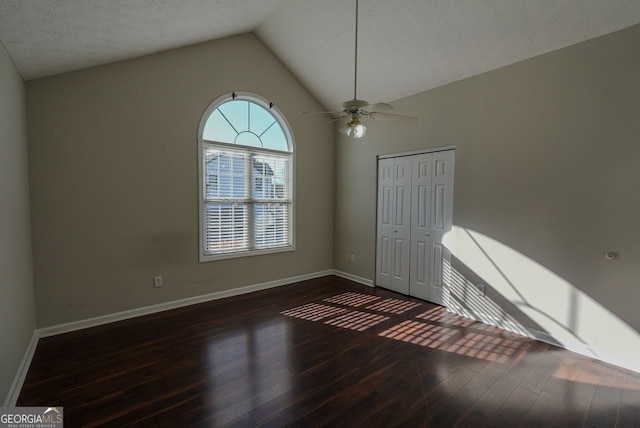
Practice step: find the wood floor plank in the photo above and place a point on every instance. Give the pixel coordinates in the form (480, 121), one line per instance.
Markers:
(468, 394)
(606, 402)
(537, 377)
(544, 409)
(573, 411)
(258, 360)
(474, 419)
(629, 416)
(515, 408)
(493, 398)
(631, 392)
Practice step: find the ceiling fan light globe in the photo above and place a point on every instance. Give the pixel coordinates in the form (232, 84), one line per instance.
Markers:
(359, 130)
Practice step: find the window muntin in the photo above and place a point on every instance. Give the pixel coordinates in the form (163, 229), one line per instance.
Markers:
(246, 179)
(245, 123)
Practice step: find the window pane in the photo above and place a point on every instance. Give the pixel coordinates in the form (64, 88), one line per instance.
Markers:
(271, 224)
(260, 119)
(270, 177)
(218, 129)
(211, 181)
(275, 139)
(226, 227)
(236, 112)
(225, 174)
(246, 124)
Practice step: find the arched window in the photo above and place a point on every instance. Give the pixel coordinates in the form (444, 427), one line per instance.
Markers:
(246, 178)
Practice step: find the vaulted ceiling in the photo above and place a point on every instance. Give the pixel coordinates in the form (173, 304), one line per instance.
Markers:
(405, 46)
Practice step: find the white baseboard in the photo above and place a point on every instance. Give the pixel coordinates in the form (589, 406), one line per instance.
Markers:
(146, 310)
(354, 278)
(14, 392)
(545, 337)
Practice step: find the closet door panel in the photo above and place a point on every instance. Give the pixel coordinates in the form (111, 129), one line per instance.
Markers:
(401, 224)
(384, 254)
(441, 223)
(420, 224)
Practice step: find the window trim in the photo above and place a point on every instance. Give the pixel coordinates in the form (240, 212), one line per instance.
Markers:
(286, 128)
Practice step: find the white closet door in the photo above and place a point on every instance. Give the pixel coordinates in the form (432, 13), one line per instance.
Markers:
(421, 242)
(394, 224)
(384, 254)
(440, 223)
(415, 210)
(401, 224)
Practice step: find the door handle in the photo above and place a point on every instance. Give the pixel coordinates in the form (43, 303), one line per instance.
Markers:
(426, 234)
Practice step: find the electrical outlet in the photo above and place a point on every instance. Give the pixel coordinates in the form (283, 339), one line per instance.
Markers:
(157, 281)
(482, 289)
(353, 258)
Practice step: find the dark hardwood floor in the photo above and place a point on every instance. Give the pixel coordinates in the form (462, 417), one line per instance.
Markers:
(324, 352)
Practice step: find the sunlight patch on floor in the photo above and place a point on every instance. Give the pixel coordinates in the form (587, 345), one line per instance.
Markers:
(435, 328)
(356, 320)
(394, 306)
(313, 312)
(478, 345)
(352, 299)
(439, 315)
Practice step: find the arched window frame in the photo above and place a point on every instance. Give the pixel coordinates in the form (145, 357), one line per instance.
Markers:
(206, 255)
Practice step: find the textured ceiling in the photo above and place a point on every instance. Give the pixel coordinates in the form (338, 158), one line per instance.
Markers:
(46, 37)
(405, 46)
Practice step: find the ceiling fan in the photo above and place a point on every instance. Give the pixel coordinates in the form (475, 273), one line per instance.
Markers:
(356, 109)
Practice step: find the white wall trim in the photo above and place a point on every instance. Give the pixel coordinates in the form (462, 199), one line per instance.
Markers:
(12, 396)
(146, 310)
(545, 337)
(354, 278)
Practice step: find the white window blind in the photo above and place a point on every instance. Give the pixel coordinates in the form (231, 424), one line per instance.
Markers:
(247, 201)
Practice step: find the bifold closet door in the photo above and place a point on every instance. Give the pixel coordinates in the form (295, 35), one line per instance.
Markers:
(394, 224)
(431, 218)
(415, 210)
(421, 242)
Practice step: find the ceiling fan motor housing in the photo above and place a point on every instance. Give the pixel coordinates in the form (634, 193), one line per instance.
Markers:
(354, 105)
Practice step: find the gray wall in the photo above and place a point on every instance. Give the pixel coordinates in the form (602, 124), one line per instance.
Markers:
(546, 181)
(17, 308)
(113, 160)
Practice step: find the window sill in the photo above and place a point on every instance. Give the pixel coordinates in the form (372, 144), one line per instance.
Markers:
(212, 258)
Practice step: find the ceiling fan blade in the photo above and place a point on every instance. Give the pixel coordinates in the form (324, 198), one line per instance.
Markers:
(323, 124)
(376, 115)
(319, 112)
(378, 107)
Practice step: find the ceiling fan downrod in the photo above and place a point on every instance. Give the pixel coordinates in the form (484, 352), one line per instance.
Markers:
(355, 56)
